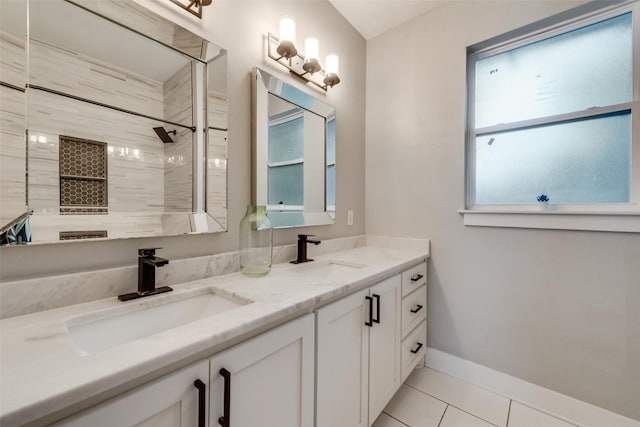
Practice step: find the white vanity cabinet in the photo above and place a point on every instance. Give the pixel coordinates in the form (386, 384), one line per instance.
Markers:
(170, 401)
(270, 382)
(266, 381)
(358, 356)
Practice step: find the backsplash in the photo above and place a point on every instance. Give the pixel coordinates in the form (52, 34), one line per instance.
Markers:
(27, 296)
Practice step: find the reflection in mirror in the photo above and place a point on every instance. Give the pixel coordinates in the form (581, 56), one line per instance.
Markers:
(13, 74)
(116, 141)
(293, 155)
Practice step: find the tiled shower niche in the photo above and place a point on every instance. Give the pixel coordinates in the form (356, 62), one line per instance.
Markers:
(83, 176)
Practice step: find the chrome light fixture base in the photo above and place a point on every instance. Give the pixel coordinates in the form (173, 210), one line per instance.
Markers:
(331, 79)
(194, 7)
(311, 65)
(286, 49)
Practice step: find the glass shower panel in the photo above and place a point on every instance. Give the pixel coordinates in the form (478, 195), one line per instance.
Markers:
(549, 77)
(586, 161)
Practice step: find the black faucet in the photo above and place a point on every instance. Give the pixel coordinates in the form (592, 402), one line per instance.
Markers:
(147, 263)
(302, 248)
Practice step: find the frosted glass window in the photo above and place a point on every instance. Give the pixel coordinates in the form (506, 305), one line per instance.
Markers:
(286, 185)
(552, 113)
(331, 163)
(584, 68)
(331, 185)
(586, 161)
(331, 141)
(286, 140)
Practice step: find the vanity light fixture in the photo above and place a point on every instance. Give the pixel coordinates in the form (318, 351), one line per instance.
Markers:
(192, 6)
(283, 51)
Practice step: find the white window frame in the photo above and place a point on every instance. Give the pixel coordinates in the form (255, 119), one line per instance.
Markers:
(622, 217)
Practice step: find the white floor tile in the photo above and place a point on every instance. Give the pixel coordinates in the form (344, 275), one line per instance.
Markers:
(415, 408)
(523, 416)
(454, 417)
(468, 397)
(385, 420)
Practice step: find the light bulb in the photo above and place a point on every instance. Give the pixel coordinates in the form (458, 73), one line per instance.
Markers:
(287, 29)
(331, 71)
(287, 48)
(332, 64)
(311, 52)
(311, 48)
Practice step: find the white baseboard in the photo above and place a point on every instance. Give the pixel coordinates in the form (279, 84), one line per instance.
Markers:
(534, 396)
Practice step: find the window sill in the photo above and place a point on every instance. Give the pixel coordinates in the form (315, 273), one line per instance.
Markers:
(624, 222)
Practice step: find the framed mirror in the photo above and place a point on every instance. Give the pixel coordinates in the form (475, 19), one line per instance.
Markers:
(125, 124)
(294, 162)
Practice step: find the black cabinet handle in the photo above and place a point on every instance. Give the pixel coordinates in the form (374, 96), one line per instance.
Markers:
(377, 319)
(225, 420)
(416, 277)
(417, 349)
(417, 309)
(202, 402)
(370, 322)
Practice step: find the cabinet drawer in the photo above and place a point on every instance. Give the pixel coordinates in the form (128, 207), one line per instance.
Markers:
(414, 309)
(413, 349)
(413, 278)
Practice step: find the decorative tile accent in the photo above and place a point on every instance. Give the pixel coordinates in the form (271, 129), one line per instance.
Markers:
(76, 235)
(83, 172)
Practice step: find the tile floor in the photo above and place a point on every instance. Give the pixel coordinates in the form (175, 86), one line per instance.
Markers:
(432, 399)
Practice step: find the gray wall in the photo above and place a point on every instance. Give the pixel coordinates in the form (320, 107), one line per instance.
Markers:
(239, 27)
(557, 308)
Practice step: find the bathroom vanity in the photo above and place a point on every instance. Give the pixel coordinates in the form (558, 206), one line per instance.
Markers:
(229, 348)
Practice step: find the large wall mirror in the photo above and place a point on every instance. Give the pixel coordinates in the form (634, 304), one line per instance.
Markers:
(117, 123)
(294, 156)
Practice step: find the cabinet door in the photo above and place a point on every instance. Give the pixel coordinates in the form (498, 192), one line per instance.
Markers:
(384, 345)
(343, 363)
(270, 379)
(171, 401)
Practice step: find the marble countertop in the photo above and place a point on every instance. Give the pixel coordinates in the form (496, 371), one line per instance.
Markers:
(43, 372)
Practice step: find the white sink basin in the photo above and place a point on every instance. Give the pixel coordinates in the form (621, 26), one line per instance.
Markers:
(144, 317)
(327, 269)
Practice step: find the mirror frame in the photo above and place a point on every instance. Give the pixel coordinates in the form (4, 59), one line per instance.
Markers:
(209, 136)
(265, 84)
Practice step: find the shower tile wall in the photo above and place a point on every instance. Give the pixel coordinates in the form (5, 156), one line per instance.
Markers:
(136, 155)
(135, 152)
(12, 152)
(12, 155)
(178, 168)
(88, 77)
(218, 116)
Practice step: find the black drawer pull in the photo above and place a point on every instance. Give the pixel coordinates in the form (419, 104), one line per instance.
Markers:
(417, 349)
(416, 277)
(370, 322)
(377, 319)
(417, 309)
(225, 420)
(202, 402)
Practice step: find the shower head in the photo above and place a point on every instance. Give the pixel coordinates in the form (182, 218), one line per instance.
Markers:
(164, 135)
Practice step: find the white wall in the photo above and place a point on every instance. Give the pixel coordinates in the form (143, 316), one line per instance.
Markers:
(557, 308)
(239, 26)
